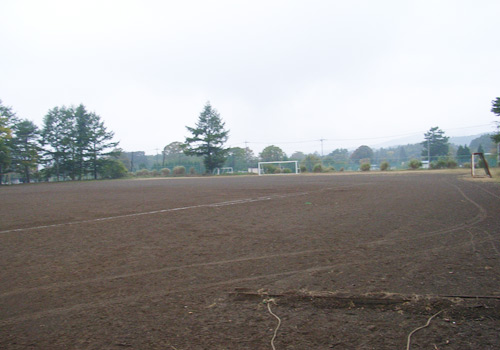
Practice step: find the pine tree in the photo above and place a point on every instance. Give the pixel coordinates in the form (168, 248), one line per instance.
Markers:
(208, 138)
(496, 110)
(58, 141)
(25, 148)
(435, 144)
(463, 154)
(75, 141)
(7, 120)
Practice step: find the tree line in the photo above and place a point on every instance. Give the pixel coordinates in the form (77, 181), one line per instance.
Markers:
(73, 143)
(209, 136)
(204, 150)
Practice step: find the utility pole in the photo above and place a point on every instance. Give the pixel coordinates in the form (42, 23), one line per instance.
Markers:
(429, 152)
(157, 165)
(322, 147)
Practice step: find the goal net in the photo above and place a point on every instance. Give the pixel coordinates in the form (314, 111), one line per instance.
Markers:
(279, 167)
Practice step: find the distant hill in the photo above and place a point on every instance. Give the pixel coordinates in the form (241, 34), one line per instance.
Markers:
(466, 140)
(485, 141)
(399, 142)
(456, 140)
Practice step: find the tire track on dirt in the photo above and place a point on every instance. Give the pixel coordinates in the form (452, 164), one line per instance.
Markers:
(204, 286)
(478, 218)
(487, 191)
(78, 307)
(159, 270)
(225, 262)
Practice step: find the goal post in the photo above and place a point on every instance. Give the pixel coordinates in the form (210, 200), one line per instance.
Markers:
(483, 163)
(285, 167)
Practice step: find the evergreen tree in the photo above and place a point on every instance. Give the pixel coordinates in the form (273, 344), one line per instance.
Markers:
(58, 141)
(98, 143)
(463, 154)
(435, 144)
(75, 141)
(7, 120)
(25, 148)
(208, 139)
(496, 110)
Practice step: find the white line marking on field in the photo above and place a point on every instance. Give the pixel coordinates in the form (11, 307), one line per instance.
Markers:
(210, 205)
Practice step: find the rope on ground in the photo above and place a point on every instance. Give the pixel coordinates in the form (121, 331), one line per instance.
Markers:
(268, 302)
(419, 328)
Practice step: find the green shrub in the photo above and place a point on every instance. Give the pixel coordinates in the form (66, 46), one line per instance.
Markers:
(318, 168)
(341, 169)
(192, 171)
(330, 169)
(365, 167)
(466, 165)
(440, 164)
(165, 171)
(384, 166)
(142, 173)
(451, 164)
(303, 169)
(415, 164)
(287, 171)
(155, 173)
(277, 170)
(179, 170)
(270, 168)
(108, 169)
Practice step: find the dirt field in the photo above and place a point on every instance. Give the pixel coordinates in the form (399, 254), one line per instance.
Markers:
(344, 261)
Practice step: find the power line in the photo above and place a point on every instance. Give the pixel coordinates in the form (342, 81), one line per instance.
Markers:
(350, 139)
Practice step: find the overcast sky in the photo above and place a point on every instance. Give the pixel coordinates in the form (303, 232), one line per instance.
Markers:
(287, 73)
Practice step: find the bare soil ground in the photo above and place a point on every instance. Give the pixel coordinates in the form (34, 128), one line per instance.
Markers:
(344, 261)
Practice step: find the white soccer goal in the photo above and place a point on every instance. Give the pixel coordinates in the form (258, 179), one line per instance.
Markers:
(279, 167)
(226, 170)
